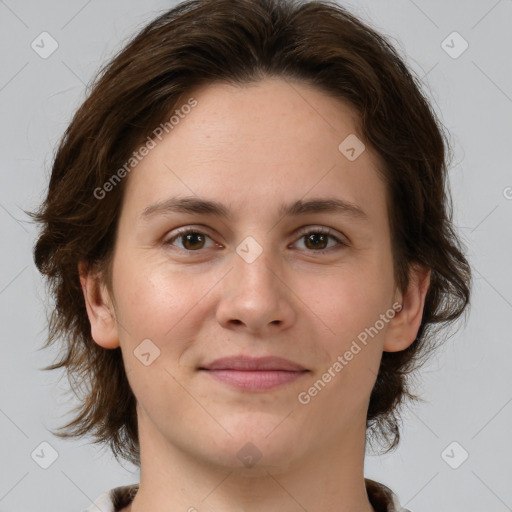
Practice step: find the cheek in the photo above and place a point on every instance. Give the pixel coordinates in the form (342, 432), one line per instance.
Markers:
(351, 300)
(155, 302)
(351, 306)
(162, 308)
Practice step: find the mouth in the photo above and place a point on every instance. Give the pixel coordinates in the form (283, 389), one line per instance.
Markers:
(254, 374)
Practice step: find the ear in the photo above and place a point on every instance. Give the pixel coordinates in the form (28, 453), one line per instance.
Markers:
(403, 327)
(99, 307)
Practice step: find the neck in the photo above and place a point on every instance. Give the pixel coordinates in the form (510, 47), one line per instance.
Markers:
(329, 478)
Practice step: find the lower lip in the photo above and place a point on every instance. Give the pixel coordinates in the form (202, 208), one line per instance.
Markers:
(255, 380)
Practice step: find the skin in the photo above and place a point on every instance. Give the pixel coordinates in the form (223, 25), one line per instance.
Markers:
(252, 148)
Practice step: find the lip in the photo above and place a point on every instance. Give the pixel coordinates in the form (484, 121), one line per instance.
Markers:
(254, 374)
(248, 363)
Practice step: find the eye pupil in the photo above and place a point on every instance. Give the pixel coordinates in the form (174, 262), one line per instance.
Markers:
(314, 238)
(193, 238)
(315, 241)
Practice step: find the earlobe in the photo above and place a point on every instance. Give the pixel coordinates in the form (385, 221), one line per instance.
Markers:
(99, 308)
(403, 328)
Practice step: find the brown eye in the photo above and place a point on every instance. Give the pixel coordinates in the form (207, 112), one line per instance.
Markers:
(190, 240)
(193, 241)
(317, 240)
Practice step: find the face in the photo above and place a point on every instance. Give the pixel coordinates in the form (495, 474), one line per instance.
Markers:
(269, 272)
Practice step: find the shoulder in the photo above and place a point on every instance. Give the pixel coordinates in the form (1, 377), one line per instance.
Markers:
(114, 499)
(382, 498)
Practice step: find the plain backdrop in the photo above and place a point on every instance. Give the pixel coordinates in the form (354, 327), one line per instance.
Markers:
(456, 447)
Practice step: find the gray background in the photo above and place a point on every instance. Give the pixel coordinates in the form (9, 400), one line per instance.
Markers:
(466, 387)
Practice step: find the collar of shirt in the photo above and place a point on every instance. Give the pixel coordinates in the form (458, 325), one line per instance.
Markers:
(381, 498)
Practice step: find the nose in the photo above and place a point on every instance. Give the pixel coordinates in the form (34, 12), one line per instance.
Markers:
(255, 298)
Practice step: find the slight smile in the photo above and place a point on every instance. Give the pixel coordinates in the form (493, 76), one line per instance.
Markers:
(254, 374)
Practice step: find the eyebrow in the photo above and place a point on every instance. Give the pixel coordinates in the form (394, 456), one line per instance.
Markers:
(197, 205)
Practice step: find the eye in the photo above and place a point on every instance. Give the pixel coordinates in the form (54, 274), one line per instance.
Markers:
(317, 239)
(191, 239)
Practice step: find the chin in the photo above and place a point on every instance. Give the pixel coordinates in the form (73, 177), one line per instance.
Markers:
(257, 449)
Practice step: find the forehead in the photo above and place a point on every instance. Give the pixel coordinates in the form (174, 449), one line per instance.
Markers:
(271, 142)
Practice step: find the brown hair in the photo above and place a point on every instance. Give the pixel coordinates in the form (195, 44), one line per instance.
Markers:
(239, 42)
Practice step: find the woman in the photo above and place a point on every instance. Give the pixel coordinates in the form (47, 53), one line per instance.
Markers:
(248, 236)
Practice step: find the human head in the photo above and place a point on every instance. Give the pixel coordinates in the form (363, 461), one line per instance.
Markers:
(206, 42)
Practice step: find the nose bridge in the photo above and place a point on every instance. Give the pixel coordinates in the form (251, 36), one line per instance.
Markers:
(253, 276)
(252, 293)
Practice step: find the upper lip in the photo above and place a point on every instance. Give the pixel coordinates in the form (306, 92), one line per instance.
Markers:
(253, 363)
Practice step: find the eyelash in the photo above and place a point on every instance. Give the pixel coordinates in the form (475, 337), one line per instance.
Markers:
(302, 233)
